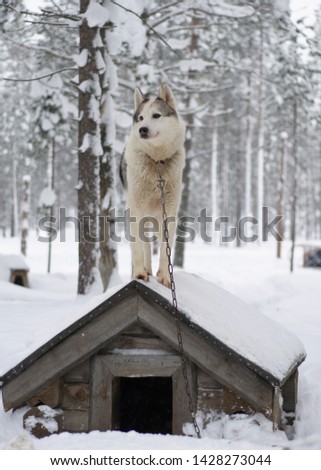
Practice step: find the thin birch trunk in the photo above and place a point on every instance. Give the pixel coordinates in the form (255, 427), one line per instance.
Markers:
(51, 185)
(295, 184)
(281, 188)
(214, 160)
(261, 141)
(14, 210)
(248, 149)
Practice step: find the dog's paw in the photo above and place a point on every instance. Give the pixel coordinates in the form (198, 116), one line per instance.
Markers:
(163, 279)
(142, 275)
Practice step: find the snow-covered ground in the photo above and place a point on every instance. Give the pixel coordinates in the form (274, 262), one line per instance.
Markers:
(29, 317)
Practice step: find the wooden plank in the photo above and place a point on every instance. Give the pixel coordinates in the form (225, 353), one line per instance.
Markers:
(290, 393)
(75, 421)
(79, 374)
(276, 408)
(116, 415)
(139, 330)
(223, 400)
(75, 397)
(136, 342)
(210, 399)
(50, 395)
(100, 401)
(181, 408)
(141, 365)
(105, 370)
(209, 357)
(206, 381)
(70, 352)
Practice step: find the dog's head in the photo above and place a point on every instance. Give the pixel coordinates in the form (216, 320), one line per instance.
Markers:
(154, 117)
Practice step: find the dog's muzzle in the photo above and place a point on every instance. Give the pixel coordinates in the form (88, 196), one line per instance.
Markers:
(143, 132)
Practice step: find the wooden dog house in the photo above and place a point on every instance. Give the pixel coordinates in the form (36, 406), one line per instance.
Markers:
(311, 254)
(13, 268)
(118, 367)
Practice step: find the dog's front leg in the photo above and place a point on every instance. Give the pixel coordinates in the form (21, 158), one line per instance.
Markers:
(137, 249)
(163, 272)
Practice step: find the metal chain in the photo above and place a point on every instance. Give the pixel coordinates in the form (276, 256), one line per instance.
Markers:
(161, 183)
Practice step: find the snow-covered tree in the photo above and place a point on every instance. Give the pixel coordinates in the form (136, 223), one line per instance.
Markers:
(25, 212)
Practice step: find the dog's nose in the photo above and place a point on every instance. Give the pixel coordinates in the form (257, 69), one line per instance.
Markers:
(143, 131)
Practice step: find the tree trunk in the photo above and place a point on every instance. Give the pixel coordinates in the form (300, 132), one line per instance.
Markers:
(108, 260)
(214, 161)
(225, 179)
(261, 141)
(248, 149)
(280, 200)
(183, 211)
(25, 211)
(295, 183)
(51, 184)
(14, 209)
(88, 158)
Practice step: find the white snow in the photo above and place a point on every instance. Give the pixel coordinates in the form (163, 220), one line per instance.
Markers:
(30, 317)
(123, 120)
(81, 59)
(179, 43)
(96, 15)
(147, 71)
(128, 29)
(221, 8)
(26, 178)
(235, 323)
(193, 64)
(85, 143)
(100, 63)
(282, 5)
(47, 197)
(47, 420)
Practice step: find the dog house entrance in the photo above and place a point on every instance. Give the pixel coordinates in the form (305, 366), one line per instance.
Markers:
(18, 280)
(143, 404)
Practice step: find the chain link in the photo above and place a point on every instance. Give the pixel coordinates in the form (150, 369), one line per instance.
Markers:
(161, 183)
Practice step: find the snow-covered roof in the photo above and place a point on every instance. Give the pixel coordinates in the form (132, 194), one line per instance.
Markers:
(241, 327)
(259, 343)
(9, 262)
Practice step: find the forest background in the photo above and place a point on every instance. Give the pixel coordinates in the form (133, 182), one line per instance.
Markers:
(246, 75)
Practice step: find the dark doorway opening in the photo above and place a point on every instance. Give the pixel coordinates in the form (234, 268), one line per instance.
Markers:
(144, 405)
(18, 280)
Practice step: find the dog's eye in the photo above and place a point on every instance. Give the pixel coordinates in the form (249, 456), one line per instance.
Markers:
(156, 116)
(141, 118)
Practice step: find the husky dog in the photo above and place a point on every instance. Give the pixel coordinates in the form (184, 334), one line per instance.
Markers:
(155, 148)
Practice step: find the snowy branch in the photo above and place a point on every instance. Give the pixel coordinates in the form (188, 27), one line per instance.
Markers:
(7, 79)
(165, 7)
(41, 49)
(160, 37)
(44, 13)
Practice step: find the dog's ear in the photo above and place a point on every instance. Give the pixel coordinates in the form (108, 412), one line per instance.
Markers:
(139, 97)
(166, 94)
